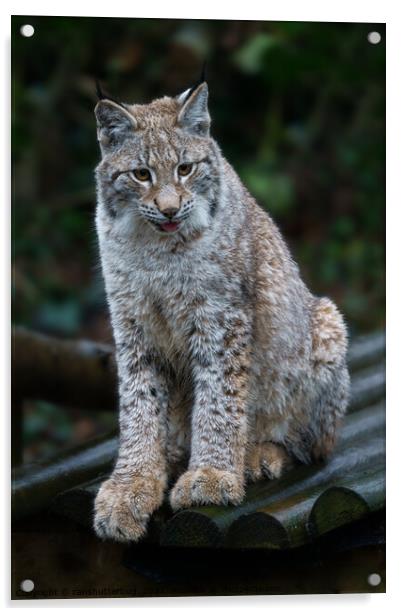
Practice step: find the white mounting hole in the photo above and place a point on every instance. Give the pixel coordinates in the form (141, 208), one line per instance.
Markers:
(374, 579)
(27, 30)
(374, 38)
(27, 585)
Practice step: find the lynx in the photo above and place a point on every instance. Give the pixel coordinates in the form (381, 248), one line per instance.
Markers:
(229, 368)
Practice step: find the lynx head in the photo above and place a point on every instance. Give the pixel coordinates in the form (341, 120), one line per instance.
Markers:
(159, 164)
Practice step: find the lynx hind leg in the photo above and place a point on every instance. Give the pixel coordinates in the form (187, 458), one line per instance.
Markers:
(331, 382)
(329, 335)
(178, 435)
(266, 459)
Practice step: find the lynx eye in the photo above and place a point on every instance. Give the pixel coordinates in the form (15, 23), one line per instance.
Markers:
(184, 169)
(142, 174)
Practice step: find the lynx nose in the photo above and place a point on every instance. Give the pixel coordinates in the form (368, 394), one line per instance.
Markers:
(168, 203)
(169, 213)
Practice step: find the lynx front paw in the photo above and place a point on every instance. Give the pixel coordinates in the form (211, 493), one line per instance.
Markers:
(205, 486)
(266, 460)
(123, 507)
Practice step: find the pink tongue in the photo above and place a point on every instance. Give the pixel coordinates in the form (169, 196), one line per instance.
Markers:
(170, 226)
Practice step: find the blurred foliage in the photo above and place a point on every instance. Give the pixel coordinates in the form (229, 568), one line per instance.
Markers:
(298, 109)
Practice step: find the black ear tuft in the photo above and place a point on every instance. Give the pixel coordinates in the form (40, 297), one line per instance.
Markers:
(103, 96)
(201, 80)
(99, 92)
(203, 72)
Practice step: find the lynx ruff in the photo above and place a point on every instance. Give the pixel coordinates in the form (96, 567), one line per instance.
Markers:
(229, 368)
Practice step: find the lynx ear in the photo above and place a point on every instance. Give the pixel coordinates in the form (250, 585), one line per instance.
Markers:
(114, 124)
(193, 115)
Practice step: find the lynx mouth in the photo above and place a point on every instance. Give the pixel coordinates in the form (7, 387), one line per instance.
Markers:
(167, 227)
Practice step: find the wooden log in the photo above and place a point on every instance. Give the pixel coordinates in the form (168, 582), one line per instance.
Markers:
(292, 521)
(77, 503)
(72, 373)
(34, 486)
(288, 513)
(366, 351)
(368, 387)
(257, 530)
(192, 528)
(362, 422)
(349, 501)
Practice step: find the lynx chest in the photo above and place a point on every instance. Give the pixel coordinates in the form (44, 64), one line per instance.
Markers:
(172, 299)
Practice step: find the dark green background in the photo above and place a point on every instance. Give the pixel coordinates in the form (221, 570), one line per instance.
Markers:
(298, 109)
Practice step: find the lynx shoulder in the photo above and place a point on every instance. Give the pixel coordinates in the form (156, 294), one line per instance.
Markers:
(229, 368)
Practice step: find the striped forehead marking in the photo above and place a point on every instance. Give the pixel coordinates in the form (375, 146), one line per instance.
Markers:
(160, 149)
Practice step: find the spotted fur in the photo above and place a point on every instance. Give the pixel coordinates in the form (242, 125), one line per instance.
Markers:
(229, 368)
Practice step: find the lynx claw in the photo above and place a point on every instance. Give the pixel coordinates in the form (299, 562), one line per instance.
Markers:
(123, 508)
(206, 486)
